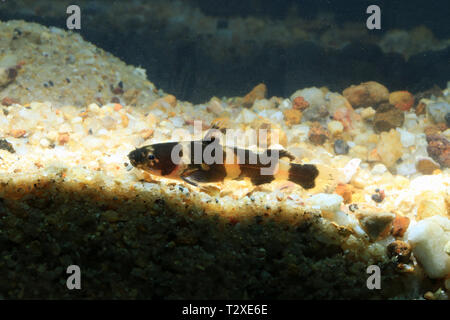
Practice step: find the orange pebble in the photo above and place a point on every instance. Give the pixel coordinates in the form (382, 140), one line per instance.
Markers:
(84, 114)
(125, 120)
(400, 225)
(63, 138)
(146, 133)
(300, 103)
(17, 133)
(293, 116)
(345, 191)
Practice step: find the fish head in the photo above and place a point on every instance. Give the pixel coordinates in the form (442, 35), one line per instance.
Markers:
(144, 158)
(156, 158)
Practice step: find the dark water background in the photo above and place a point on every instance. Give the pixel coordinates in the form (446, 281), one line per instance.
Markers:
(181, 66)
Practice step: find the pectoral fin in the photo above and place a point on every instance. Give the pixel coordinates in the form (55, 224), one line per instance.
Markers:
(204, 174)
(188, 180)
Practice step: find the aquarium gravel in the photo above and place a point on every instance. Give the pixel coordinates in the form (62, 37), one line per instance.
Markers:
(70, 115)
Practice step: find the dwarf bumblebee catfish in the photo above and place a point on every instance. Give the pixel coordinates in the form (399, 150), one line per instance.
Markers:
(186, 161)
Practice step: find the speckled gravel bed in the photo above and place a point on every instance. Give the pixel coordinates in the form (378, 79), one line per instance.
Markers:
(68, 195)
(63, 68)
(137, 247)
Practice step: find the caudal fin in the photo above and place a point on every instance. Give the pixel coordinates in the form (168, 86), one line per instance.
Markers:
(303, 174)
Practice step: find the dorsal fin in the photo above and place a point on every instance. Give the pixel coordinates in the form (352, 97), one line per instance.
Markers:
(215, 132)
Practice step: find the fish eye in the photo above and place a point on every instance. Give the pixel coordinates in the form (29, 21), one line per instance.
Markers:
(151, 157)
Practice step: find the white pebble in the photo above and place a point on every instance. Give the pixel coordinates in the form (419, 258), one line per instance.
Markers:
(177, 122)
(299, 133)
(52, 135)
(93, 107)
(246, 116)
(277, 116)
(102, 132)
(335, 127)
(314, 96)
(429, 238)
(349, 170)
(368, 113)
(438, 110)
(378, 169)
(329, 203)
(44, 143)
(261, 104)
(407, 139)
(285, 104)
(77, 120)
(406, 168)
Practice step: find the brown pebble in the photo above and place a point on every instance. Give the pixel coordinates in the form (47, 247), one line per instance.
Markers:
(434, 91)
(130, 96)
(426, 166)
(429, 296)
(115, 100)
(377, 224)
(430, 130)
(402, 100)
(421, 108)
(399, 226)
(439, 149)
(441, 126)
(257, 93)
(318, 134)
(7, 76)
(388, 117)
(118, 91)
(367, 94)
(100, 101)
(12, 73)
(6, 101)
(401, 250)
